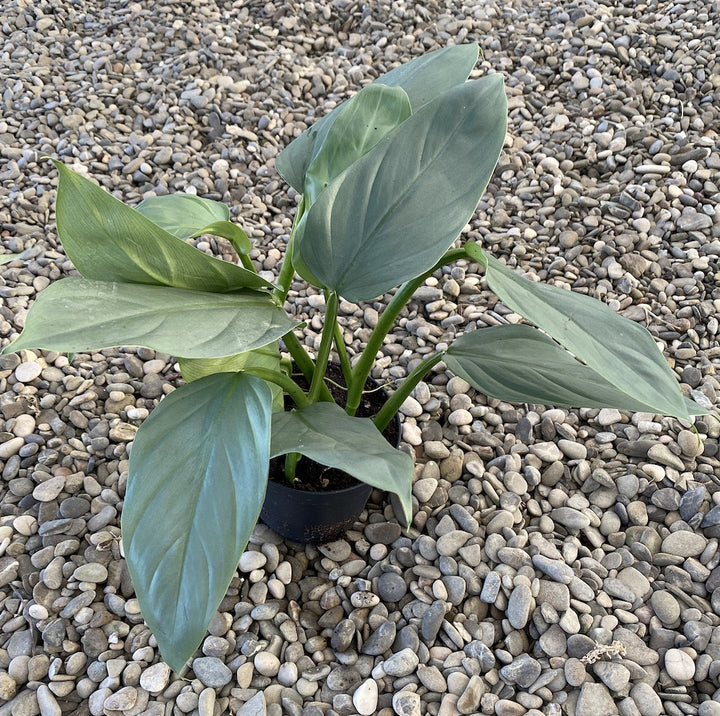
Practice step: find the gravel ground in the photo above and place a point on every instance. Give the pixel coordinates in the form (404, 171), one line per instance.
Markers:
(560, 561)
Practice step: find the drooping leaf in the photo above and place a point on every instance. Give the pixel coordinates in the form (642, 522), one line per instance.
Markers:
(622, 352)
(422, 78)
(266, 357)
(197, 480)
(393, 213)
(324, 432)
(187, 216)
(7, 258)
(520, 364)
(77, 315)
(109, 241)
(364, 120)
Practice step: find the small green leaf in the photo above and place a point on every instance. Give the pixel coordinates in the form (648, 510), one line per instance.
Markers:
(182, 214)
(266, 357)
(197, 480)
(109, 241)
(520, 364)
(187, 216)
(77, 315)
(364, 120)
(7, 258)
(227, 230)
(422, 78)
(622, 352)
(394, 212)
(324, 432)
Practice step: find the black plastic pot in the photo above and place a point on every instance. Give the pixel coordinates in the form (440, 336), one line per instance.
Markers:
(312, 517)
(320, 516)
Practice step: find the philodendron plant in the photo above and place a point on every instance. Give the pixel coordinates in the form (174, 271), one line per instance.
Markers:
(388, 181)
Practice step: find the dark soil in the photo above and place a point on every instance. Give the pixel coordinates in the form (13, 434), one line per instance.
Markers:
(311, 476)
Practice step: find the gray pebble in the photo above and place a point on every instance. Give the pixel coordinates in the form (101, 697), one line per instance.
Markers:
(521, 671)
(595, 699)
(391, 587)
(211, 671)
(380, 640)
(402, 663)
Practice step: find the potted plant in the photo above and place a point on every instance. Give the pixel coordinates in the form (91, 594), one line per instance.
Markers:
(388, 181)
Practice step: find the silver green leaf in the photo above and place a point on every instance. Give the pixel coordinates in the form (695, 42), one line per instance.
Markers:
(7, 258)
(324, 432)
(196, 484)
(187, 216)
(520, 364)
(422, 79)
(109, 241)
(266, 357)
(620, 351)
(76, 315)
(393, 213)
(364, 120)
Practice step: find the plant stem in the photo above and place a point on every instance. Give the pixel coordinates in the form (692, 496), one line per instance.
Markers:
(247, 263)
(291, 461)
(318, 380)
(304, 362)
(284, 381)
(387, 319)
(388, 410)
(342, 354)
(287, 270)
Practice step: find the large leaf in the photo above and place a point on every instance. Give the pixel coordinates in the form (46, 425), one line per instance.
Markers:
(395, 211)
(520, 364)
(187, 216)
(370, 115)
(109, 241)
(622, 352)
(324, 432)
(197, 480)
(75, 315)
(266, 357)
(422, 79)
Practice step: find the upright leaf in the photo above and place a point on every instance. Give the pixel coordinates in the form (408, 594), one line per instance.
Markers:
(109, 241)
(520, 364)
(324, 432)
(75, 315)
(364, 120)
(393, 213)
(187, 216)
(622, 352)
(429, 75)
(197, 480)
(422, 78)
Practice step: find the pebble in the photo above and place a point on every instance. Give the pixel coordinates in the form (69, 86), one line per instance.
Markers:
(595, 699)
(365, 697)
(648, 703)
(211, 671)
(403, 663)
(406, 703)
(684, 543)
(679, 665)
(155, 678)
